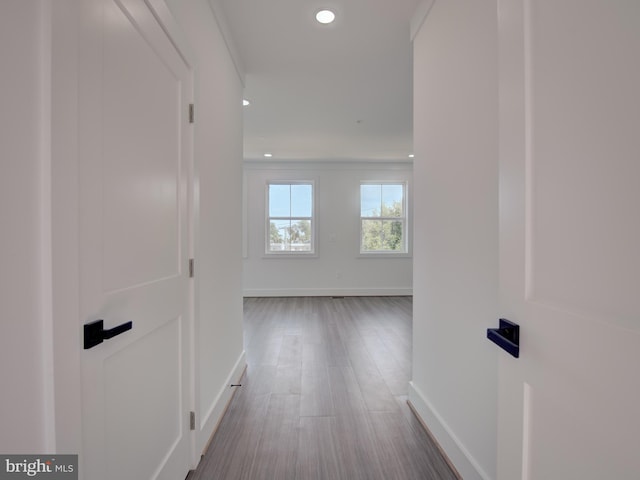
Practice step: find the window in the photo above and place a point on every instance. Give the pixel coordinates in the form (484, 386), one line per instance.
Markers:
(290, 225)
(383, 225)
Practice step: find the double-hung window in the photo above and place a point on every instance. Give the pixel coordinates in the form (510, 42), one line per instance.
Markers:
(383, 218)
(290, 222)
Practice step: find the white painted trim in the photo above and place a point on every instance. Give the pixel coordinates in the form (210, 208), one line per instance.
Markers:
(227, 36)
(245, 216)
(459, 455)
(67, 332)
(420, 15)
(209, 421)
(173, 31)
(358, 165)
(328, 292)
(46, 238)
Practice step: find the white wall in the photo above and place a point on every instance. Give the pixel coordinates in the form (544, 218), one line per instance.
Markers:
(338, 268)
(454, 386)
(25, 403)
(218, 158)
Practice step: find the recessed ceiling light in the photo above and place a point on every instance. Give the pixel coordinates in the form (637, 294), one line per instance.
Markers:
(325, 16)
(411, 155)
(268, 155)
(245, 102)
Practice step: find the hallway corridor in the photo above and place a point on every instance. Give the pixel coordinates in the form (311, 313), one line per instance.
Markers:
(324, 396)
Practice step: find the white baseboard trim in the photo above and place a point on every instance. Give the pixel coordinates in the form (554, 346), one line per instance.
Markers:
(458, 454)
(211, 419)
(328, 292)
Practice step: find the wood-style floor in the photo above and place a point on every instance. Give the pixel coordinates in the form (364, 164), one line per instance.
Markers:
(324, 396)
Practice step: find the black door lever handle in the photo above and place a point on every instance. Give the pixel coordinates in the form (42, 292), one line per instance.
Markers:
(506, 337)
(95, 334)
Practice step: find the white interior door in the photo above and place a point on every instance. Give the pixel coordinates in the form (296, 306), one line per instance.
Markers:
(134, 91)
(570, 232)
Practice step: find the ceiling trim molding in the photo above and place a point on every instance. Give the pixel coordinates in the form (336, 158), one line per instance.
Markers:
(359, 165)
(223, 25)
(420, 15)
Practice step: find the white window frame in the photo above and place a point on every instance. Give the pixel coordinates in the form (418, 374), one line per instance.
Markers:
(313, 219)
(405, 252)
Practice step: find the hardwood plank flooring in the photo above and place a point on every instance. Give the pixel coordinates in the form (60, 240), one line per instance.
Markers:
(324, 396)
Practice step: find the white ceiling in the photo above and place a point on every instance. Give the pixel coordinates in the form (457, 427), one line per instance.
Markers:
(317, 92)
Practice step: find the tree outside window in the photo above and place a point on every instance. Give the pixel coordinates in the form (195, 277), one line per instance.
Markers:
(382, 218)
(290, 219)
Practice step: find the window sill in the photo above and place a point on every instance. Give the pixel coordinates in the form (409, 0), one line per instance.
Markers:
(384, 255)
(281, 256)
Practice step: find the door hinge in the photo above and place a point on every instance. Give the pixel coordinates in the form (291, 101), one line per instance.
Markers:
(192, 113)
(192, 420)
(192, 267)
